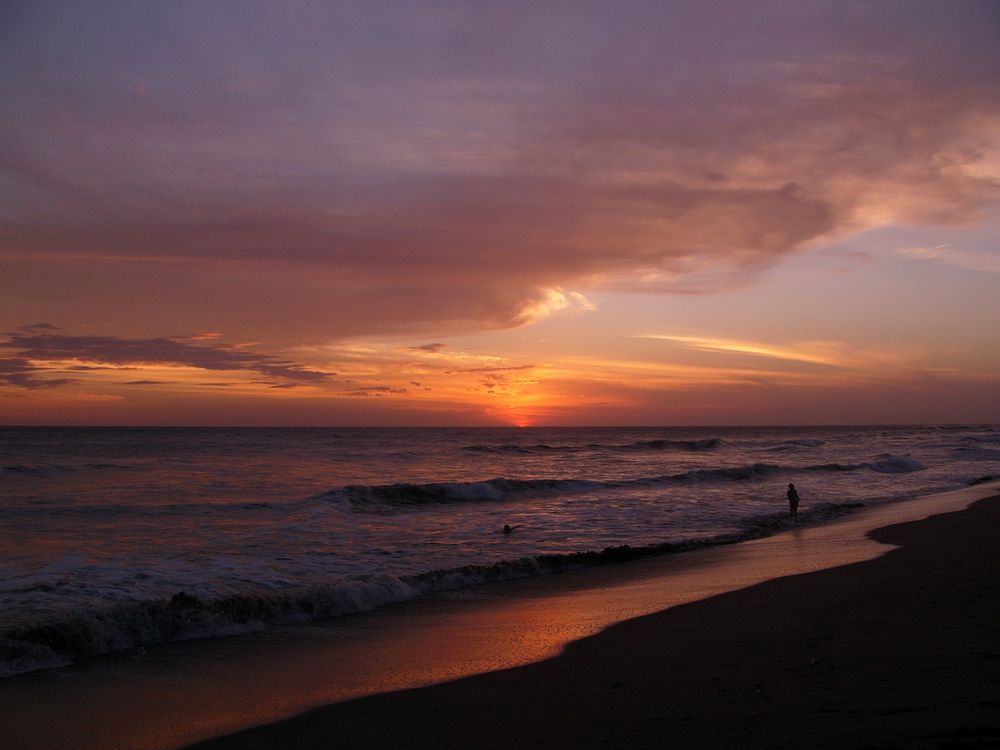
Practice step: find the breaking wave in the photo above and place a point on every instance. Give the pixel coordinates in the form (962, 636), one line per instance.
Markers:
(187, 617)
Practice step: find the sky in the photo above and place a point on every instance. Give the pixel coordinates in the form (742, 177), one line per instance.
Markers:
(520, 213)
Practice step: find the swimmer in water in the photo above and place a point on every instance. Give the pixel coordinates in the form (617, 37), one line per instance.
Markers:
(508, 529)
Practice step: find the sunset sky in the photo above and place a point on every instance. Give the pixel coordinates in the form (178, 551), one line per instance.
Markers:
(517, 213)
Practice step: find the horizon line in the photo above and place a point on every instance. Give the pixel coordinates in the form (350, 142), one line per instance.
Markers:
(492, 427)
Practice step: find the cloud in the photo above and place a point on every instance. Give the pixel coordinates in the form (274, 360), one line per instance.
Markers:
(492, 369)
(973, 260)
(37, 353)
(553, 301)
(20, 372)
(836, 358)
(397, 170)
(374, 390)
(821, 353)
(38, 328)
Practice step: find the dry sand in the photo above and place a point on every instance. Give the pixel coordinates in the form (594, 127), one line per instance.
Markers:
(899, 651)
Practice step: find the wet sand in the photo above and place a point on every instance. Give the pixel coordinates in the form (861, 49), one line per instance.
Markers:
(648, 680)
(898, 651)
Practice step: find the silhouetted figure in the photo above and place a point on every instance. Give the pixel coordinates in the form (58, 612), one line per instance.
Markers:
(508, 529)
(793, 500)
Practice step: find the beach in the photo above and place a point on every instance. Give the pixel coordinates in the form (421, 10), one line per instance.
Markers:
(760, 642)
(899, 651)
(497, 375)
(113, 540)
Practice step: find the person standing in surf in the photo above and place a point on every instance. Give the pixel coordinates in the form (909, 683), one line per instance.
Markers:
(793, 500)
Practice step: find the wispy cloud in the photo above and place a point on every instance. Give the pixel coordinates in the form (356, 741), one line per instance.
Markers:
(492, 369)
(38, 328)
(39, 353)
(832, 354)
(944, 253)
(22, 372)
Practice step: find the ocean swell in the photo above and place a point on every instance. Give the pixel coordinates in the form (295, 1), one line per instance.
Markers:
(707, 444)
(796, 445)
(524, 449)
(363, 497)
(53, 470)
(382, 498)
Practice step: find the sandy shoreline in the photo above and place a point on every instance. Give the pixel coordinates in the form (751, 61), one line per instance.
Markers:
(179, 693)
(899, 651)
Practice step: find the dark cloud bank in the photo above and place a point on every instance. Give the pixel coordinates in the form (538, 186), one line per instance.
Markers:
(36, 354)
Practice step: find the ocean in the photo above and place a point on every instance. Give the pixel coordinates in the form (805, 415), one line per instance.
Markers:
(116, 538)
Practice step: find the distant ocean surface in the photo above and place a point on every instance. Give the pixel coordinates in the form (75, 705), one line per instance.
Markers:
(115, 538)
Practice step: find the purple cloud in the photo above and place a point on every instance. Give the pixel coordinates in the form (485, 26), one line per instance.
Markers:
(32, 349)
(388, 168)
(22, 373)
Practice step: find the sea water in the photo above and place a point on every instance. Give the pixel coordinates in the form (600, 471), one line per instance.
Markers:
(116, 538)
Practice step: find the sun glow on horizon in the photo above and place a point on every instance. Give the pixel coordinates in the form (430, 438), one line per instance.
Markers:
(317, 218)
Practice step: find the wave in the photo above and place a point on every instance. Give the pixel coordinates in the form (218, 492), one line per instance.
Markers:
(976, 453)
(984, 480)
(49, 470)
(986, 436)
(45, 470)
(110, 510)
(889, 464)
(365, 497)
(706, 444)
(389, 497)
(793, 445)
(405, 496)
(526, 449)
(187, 617)
(184, 617)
